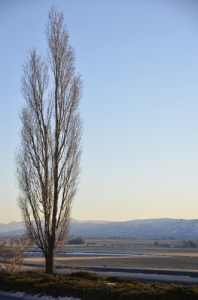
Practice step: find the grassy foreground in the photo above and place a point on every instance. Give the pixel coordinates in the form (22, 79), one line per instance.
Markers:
(89, 286)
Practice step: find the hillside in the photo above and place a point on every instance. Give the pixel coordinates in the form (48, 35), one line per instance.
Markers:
(150, 228)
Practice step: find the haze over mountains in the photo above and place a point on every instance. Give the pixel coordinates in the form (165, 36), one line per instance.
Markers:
(150, 228)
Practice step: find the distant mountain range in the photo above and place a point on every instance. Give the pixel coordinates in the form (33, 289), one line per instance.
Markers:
(150, 228)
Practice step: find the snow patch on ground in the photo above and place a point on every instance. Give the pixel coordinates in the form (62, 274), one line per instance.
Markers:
(21, 295)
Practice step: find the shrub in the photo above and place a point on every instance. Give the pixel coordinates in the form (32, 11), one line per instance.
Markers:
(77, 240)
(12, 255)
(189, 244)
(88, 286)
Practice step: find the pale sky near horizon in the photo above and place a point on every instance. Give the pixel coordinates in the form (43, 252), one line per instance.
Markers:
(139, 65)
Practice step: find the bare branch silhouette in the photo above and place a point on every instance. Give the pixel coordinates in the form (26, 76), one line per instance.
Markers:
(47, 161)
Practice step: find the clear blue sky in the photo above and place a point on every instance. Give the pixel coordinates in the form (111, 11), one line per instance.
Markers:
(139, 64)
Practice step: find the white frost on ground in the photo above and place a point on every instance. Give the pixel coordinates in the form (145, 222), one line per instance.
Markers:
(21, 295)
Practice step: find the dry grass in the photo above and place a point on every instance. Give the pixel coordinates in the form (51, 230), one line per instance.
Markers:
(175, 262)
(134, 246)
(162, 262)
(168, 254)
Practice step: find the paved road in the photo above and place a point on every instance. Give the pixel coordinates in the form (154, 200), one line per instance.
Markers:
(124, 270)
(146, 278)
(144, 275)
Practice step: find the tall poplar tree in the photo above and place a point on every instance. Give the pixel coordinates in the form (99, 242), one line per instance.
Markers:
(48, 158)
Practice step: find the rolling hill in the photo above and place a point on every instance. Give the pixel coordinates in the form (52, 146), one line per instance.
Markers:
(150, 228)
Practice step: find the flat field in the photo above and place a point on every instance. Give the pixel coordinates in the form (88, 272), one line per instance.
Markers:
(131, 253)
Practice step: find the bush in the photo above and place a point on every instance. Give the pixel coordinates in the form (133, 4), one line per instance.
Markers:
(189, 244)
(12, 255)
(77, 240)
(86, 275)
(89, 286)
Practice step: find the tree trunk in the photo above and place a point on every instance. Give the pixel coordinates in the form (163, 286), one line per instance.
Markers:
(49, 265)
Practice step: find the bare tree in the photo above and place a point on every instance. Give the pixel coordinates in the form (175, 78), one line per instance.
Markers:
(13, 254)
(47, 161)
